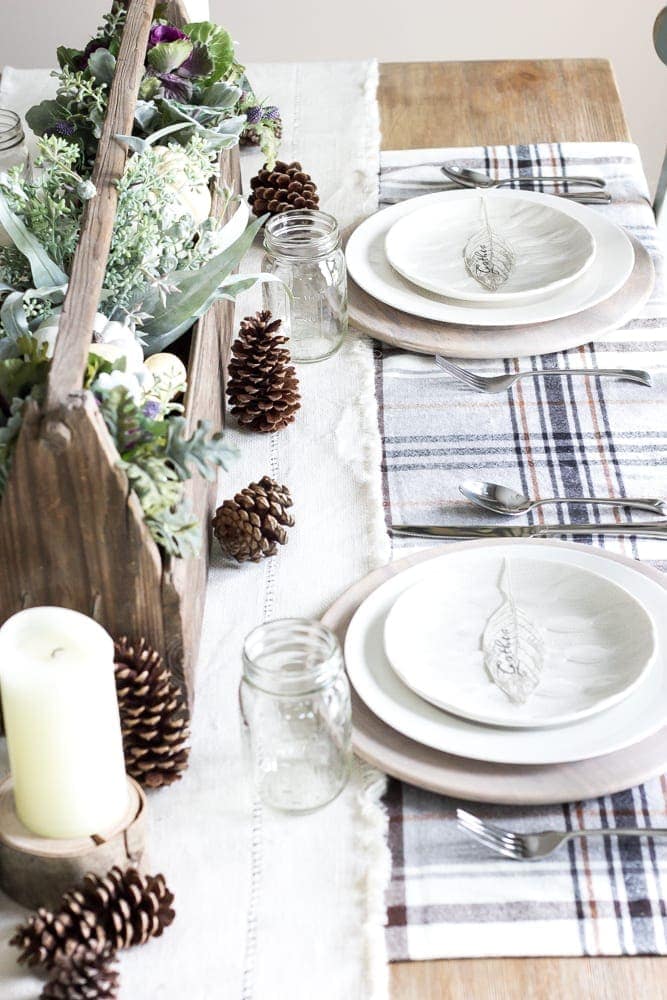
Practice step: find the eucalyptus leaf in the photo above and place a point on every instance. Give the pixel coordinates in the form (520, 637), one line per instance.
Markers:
(220, 95)
(234, 285)
(146, 114)
(193, 293)
(138, 145)
(132, 142)
(102, 65)
(221, 136)
(45, 272)
(44, 116)
(52, 293)
(228, 289)
(67, 58)
(168, 56)
(231, 126)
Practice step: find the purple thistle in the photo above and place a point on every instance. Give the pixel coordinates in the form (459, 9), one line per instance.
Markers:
(272, 113)
(151, 409)
(63, 128)
(254, 115)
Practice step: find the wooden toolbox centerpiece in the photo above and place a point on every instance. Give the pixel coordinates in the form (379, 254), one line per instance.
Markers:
(71, 531)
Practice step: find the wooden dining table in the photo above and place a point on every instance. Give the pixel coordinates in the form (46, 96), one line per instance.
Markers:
(436, 104)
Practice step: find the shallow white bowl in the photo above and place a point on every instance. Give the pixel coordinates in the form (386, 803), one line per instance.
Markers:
(551, 247)
(599, 641)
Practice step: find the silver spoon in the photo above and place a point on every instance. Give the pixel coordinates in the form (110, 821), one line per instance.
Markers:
(503, 500)
(475, 178)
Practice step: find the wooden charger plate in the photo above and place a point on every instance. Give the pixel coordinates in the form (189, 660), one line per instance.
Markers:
(425, 336)
(478, 781)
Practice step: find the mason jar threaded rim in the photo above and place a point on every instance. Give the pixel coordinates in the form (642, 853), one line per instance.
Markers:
(11, 129)
(301, 234)
(291, 656)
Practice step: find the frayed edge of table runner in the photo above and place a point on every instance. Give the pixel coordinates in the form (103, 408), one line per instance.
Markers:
(376, 861)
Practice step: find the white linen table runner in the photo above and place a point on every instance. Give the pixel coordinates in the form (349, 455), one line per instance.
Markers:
(271, 907)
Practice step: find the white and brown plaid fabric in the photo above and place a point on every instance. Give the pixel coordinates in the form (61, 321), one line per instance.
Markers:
(567, 437)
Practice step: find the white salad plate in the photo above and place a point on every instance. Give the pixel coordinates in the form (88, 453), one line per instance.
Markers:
(551, 247)
(639, 715)
(588, 641)
(369, 267)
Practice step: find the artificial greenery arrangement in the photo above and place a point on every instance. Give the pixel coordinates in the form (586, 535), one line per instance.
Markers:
(169, 261)
(191, 77)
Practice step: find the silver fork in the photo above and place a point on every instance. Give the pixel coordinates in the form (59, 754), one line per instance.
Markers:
(534, 846)
(499, 383)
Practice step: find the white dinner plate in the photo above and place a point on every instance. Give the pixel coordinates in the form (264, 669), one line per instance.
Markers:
(368, 265)
(551, 247)
(590, 640)
(638, 716)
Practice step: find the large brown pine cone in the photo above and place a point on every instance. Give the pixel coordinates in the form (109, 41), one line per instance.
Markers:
(153, 715)
(86, 973)
(120, 910)
(252, 525)
(282, 189)
(263, 388)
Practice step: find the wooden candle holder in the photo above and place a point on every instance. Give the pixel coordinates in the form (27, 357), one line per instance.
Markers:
(36, 871)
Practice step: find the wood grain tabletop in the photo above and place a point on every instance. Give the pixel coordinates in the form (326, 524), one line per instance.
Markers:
(487, 103)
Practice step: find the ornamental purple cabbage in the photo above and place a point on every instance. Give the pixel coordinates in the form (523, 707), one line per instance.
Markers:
(164, 33)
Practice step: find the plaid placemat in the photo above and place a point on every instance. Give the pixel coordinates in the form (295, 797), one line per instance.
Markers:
(567, 437)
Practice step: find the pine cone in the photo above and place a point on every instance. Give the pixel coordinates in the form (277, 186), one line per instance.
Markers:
(85, 973)
(263, 389)
(153, 715)
(117, 911)
(282, 189)
(253, 524)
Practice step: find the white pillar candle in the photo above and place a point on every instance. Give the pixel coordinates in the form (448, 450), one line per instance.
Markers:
(62, 723)
(198, 10)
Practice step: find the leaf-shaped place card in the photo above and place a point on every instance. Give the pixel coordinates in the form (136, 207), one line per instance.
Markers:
(488, 258)
(513, 646)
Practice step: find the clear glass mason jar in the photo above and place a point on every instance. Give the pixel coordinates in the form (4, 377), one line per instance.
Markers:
(295, 705)
(13, 149)
(303, 248)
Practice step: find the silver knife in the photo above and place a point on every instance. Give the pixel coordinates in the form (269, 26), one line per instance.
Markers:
(645, 529)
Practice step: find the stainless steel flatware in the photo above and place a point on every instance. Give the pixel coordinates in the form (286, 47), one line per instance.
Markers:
(640, 529)
(500, 383)
(534, 846)
(476, 179)
(504, 500)
(582, 197)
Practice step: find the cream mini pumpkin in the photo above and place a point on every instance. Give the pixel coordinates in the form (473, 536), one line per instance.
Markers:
(111, 340)
(169, 377)
(193, 200)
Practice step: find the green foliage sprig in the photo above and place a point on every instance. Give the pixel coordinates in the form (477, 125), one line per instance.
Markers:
(155, 450)
(191, 75)
(158, 458)
(153, 233)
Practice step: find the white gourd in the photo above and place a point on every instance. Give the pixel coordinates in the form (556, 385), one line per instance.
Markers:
(193, 200)
(111, 340)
